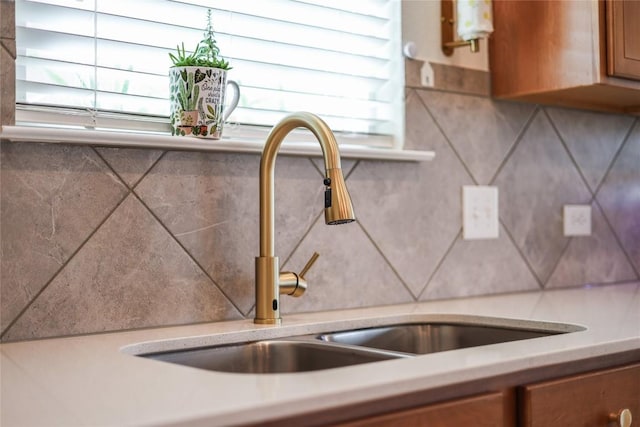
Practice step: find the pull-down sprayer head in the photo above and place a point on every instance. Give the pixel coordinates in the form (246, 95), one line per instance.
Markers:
(337, 203)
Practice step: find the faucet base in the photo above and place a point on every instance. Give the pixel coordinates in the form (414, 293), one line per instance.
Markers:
(277, 321)
(267, 291)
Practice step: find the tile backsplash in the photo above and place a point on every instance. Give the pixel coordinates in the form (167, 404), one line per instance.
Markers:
(103, 239)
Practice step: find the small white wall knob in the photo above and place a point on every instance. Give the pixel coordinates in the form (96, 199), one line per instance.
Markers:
(410, 50)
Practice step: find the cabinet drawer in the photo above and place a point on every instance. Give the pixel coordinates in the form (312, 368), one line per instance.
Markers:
(582, 400)
(488, 410)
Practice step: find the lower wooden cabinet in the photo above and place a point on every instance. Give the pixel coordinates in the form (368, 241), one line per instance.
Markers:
(591, 399)
(487, 410)
(582, 400)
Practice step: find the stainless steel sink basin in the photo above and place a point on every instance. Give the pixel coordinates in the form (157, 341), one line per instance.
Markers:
(276, 356)
(352, 347)
(427, 338)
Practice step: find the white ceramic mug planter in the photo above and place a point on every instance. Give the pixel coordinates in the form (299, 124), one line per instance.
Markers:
(198, 101)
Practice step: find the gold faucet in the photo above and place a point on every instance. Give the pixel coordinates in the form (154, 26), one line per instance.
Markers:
(270, 283)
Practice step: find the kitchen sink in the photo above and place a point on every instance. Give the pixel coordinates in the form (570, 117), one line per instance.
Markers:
(424, 338)
(352, 347)
(273, 356)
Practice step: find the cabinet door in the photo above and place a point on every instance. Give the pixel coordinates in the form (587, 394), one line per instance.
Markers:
(489, 410)
(582, 400)
(623, 38)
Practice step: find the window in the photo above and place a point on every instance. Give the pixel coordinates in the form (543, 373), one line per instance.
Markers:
(104, 63)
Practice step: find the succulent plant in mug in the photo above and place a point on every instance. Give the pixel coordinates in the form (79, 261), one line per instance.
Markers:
(197, 86)
(206, 53)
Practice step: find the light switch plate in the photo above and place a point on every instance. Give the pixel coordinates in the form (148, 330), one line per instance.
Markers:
(480, 212)
(577, 220)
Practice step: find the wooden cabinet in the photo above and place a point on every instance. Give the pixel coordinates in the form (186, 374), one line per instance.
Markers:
(488, 410)
(588, 399)
(583, 54)
(536, 398)
(623, 38)
(582, 400)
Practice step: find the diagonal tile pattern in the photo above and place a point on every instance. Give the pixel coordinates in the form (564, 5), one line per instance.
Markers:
(209, 202)
(129, 163)
(81, 253)
(592, 138)
(412, 222)
(130, 274)
(480, 267)
(53, 197)
(537, 180)
(349, 273)
(481, 130)
(619, 196)
(592, 259)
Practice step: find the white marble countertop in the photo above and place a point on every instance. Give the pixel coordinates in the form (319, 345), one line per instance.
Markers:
(95, 380)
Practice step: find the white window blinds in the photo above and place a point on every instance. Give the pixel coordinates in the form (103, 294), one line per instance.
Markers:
(104, 63)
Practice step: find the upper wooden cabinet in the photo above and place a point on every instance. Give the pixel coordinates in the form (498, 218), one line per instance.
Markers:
(583, 54)
(623, 38)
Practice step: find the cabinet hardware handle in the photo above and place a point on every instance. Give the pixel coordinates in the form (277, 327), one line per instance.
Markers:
(623, 418)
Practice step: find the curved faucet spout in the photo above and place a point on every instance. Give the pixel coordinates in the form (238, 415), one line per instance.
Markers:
(337, 203)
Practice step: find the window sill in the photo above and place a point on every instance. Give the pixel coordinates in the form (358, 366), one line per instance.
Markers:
(105, 138)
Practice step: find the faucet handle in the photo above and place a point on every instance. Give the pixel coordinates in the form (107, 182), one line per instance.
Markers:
(295, 284)
(309, 264)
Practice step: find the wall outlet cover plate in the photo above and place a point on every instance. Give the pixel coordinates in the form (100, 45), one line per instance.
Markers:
(577, 220)
(480, 212)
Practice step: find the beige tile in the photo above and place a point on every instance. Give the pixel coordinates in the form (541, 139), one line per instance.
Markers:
(130, 163)
(460, 79)
(481, 267)
(349, 273)
(412, 70)
(592, 138)
(592, 259)
(412, 210)
(53, 197)
(421, 133)
(7, 19)
(131, 274)
(10, 46)
(209, 201)
(619, 196)
(7, 84)
(536, 181)
(481, 130)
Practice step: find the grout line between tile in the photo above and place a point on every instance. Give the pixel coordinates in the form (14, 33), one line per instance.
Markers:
(132, 186)
(506, 159)
(175, 239)
(440, 262)
(625, 140)
(375, 245)
(515, 144)
(64, 265)
(446, 138)
(618, 241)
(144, 175)
(568, 151)
(584, 181)
(557, 263)
(304, 236)
(524, 258)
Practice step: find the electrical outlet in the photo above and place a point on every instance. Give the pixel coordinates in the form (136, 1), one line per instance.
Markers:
(577, 220)
(480, 212)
